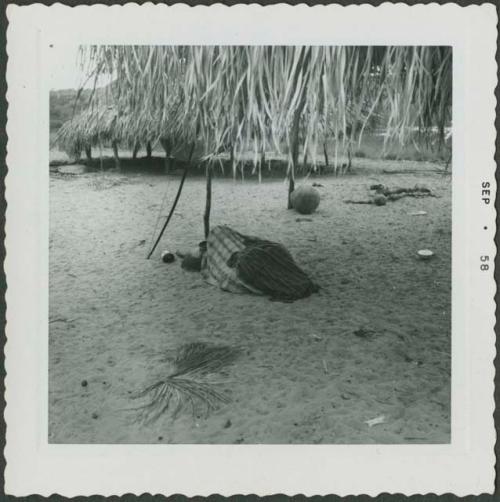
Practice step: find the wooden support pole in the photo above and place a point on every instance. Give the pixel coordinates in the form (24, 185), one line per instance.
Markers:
(135, 150)
(349, 158)
(115, 153)
(208, 203)
(303, 62)
(261, 164)
(100, 155)
(149, 150)
(176, 200)
(325, 153)
(231, 161)
(295, 157)
(88, 152)
(170, 163)
(291, 186)
(167, 146)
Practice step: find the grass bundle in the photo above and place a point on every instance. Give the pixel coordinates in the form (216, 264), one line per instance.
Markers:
(189, 385)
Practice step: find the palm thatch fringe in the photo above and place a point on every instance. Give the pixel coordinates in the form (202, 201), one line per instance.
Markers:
(251, 97)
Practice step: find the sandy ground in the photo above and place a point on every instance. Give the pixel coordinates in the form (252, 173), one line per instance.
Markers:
(304, 376)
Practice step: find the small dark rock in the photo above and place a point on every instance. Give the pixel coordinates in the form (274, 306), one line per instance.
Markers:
(344, 281)
(95, 415)
(380, 200)
(160, 438)
(421, 188)
(84, 383)
(168, 257)
(364, 333)
(227, 424)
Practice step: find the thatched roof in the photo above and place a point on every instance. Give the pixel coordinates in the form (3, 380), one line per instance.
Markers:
(93, 126)
(110, 119)
(255, 99)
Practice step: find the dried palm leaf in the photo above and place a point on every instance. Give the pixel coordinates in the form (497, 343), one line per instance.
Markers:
(188, 385)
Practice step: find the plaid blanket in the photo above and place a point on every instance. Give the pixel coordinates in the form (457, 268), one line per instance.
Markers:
(244, 264)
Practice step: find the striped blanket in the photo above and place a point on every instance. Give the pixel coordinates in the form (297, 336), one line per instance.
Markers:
(244, 264)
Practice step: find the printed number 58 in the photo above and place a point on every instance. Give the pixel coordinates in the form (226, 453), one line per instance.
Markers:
(484, 266)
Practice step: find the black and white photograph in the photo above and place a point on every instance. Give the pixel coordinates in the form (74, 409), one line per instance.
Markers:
(250, 250)
(251, 245)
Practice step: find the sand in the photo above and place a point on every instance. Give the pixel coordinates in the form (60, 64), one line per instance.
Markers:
(304, 375)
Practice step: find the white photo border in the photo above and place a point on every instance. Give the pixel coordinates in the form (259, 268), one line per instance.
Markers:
(464, 467)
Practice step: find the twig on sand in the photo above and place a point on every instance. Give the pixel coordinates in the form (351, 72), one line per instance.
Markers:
(60, 319)
(325, 366)
(358, 202)
(415, 171)
(375, 421)
(388, 194)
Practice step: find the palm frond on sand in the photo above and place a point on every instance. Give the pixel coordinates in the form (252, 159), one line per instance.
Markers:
(188, 385)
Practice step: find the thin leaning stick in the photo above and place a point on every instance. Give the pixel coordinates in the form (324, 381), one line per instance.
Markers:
(172, 209)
